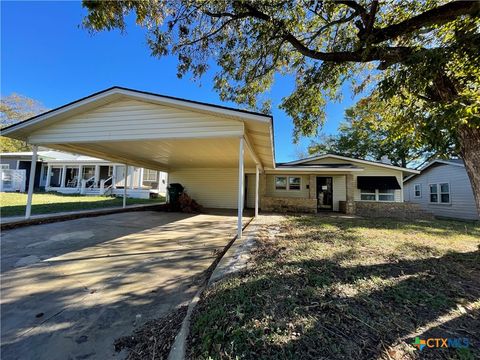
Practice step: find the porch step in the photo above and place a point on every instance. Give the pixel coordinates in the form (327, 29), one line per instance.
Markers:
(92, 192)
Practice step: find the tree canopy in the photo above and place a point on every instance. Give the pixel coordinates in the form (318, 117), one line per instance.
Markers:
(424, 52)
(15, 108)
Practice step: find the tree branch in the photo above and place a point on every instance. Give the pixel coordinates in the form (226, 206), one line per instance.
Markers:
(437, 16)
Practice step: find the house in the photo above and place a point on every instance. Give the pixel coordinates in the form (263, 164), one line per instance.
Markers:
(224, 157)
(69, 173)
(444, 189)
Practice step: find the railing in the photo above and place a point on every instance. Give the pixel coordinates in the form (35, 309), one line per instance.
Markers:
(86, 184)
(106, 186)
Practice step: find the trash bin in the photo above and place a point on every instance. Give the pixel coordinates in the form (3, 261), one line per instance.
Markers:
(174, 192)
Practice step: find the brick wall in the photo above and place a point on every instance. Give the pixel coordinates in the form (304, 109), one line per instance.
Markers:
(395, 210)
(287, 204)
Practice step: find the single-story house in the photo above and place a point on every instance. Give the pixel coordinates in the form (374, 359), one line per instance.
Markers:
(444, 189)
(69, 173)
(224, 157)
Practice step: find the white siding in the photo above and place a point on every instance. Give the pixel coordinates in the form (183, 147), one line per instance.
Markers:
(339, 190)
(134, 120)
(462, 203)
(251, 191)
(302, 193)
(369, 170)
(211, 188)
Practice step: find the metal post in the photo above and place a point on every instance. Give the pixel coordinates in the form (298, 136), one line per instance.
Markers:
(31, 182)
(132, 174)
(125, 186)
(240, 189)
(257, 180)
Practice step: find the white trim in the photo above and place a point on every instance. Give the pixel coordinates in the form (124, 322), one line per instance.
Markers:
(31, 182)
(377, 194)
(257, 180)
(414, 191)
(354, 160)
(439, 194)
(309, 170)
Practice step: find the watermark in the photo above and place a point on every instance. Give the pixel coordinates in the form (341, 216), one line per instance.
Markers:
(437, 343)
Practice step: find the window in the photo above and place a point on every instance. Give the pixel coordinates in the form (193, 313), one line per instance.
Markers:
(294, 183)
(368, 195)
(149, 175)
(280, 183)
(377, 195)
(4, 166)
(417, 190)
(440, 193)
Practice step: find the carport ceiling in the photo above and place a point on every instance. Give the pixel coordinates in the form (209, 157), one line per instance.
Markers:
(166, 154)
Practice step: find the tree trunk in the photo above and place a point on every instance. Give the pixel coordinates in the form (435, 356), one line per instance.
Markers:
(470, 151)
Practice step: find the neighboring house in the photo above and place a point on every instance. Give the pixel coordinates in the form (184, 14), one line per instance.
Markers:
(224, 157)
(444, 189)
(78, 174)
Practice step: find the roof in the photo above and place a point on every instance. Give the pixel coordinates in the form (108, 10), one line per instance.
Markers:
(300, 163)
(454, 162)
(52, 155)
(123, 90)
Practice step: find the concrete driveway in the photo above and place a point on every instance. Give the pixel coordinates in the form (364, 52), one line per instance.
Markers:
(69, 289)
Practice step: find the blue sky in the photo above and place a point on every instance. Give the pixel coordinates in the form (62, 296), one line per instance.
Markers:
(46, 55)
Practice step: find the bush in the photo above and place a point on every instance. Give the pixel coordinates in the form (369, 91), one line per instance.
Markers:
(188, 205)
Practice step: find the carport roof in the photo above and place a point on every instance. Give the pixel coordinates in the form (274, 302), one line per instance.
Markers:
(256, 128)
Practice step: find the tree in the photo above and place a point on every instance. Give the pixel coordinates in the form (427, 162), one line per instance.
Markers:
(15, 108)
(427, 52)
(375, 128)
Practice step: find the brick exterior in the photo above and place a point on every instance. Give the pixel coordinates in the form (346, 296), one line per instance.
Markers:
(395, 210)
(288, 204)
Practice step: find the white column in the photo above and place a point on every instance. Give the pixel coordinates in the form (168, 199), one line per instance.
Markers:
(79, 177)
(125, 186)
(64, 176)
(241, 176)
(257, 180)
(114, 177)
(33, 166)
(49, 175)
(132, 174)
(97, 174)
(158, 181)
(140, 178)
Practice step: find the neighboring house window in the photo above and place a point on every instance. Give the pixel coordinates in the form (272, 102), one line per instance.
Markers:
(417, 190)
(440, 193)
(280, 183)
(4, 166)
(149, 175)
(294, 183)
(377, 195)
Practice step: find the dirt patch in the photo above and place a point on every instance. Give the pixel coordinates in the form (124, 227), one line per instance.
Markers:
(154, 339)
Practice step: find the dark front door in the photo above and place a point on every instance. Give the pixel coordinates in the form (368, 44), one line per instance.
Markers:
(324, 193)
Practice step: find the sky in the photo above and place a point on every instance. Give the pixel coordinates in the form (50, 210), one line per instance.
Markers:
(46, 55)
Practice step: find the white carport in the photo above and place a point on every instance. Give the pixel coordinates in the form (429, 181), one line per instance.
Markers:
(161, 133)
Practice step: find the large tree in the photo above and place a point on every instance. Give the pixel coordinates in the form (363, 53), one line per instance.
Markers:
(15, 108)
(375, 128)
(426, 51)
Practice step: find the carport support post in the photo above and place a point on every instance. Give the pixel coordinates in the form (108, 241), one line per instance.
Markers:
(257, 180)
(125, 186)
(33, 166)
(240, 188)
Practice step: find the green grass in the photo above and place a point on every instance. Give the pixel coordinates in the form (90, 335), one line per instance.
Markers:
(338, 288)
(13, 204)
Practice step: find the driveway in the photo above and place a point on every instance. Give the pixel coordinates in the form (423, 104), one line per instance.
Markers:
(69, 289)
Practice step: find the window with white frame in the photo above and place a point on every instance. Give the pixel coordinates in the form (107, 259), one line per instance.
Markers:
(4, 166)
(280, 183)
(149, 175)
(417, 190)
(377, 195)
(294, 183)
(440, 193)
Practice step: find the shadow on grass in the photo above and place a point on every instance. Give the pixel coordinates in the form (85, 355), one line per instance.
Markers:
(318, 309)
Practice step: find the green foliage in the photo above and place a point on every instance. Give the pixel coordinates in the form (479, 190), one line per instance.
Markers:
(375, 128)
(15, 108)
(426, 50)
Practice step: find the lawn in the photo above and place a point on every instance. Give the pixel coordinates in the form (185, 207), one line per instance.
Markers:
(13, 204)
(338, 288)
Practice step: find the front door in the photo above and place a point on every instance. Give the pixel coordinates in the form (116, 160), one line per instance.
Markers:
(324, 193)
